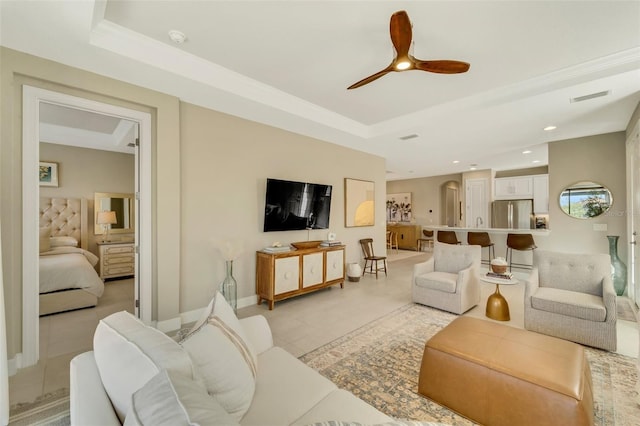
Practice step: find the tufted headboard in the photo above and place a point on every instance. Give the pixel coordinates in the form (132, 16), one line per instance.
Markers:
(65, 217)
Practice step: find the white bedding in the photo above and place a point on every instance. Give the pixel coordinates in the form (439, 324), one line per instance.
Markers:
(63, 268)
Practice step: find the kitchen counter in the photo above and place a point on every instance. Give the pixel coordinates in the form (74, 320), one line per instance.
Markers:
(535, 232)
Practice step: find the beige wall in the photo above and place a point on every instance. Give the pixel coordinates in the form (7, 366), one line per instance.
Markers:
(209, 174)
(83, 172)
(17, 69)
(599, 159)
(425, 196)
(225, 162)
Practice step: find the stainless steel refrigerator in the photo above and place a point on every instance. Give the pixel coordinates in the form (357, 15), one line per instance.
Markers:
(512, 214)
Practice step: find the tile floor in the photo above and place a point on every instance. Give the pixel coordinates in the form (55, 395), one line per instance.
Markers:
(299, 325)
(63, 336)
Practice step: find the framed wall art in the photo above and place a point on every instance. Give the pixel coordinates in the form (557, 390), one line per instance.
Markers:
(48, 174)
(399, 207)
(359, 202)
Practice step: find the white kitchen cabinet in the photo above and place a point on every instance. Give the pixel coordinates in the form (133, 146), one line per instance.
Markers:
(513, 188)
(541, 194)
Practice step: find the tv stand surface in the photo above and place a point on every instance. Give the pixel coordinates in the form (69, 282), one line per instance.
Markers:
(280, 276)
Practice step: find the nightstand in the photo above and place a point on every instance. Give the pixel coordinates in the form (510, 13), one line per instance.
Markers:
(117, 259)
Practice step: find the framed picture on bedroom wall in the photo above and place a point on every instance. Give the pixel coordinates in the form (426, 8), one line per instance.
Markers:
(48, 173)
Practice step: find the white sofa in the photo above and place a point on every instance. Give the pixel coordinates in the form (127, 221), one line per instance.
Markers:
(138, 372)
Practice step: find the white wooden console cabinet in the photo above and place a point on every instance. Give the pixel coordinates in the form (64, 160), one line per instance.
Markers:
(280, 276)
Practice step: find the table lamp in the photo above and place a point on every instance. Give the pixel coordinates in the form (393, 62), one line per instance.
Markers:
(106, 219)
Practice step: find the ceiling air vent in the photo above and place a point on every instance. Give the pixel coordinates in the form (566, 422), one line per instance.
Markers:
(407, 137)
(590, 96)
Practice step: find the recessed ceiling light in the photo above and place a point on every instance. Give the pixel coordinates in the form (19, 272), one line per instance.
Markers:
(549, 128)
(177, 37)
(528, 151)
(456, 161)
(535, 161)
(472, 168)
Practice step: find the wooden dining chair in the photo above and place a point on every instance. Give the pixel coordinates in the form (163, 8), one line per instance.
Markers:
(392, 240)
(371, 259)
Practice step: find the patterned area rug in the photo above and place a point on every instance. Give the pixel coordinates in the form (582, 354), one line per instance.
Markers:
(51, 409)
(380, 363)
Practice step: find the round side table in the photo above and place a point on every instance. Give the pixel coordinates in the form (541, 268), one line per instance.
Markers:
(497, 306)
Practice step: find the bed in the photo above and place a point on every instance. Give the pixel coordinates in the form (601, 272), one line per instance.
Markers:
(68, 279)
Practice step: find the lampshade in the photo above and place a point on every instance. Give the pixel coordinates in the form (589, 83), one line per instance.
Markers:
(107, 217)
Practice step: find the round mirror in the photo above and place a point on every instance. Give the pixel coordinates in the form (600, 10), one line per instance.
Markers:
(584, 200)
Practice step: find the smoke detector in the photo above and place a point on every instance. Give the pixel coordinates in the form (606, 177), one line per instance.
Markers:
(177, 37)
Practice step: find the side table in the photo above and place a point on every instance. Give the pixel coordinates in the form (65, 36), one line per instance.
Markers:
(497, 306)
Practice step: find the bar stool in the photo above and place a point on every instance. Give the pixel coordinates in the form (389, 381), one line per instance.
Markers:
(448, 237)
(520, 242)
(483, 240)
(392, 240)
(427, 239)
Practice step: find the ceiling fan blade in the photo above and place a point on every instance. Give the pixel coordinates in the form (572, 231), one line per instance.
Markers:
(443, 66)
(400, 29)
(370, 78)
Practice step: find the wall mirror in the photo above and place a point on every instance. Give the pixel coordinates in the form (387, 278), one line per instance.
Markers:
(122, 205)
(584, 200)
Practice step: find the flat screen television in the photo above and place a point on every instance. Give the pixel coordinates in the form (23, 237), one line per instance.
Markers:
(293, 206)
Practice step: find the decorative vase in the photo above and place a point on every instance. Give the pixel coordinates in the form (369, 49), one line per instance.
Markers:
(618, 268)
(229, 286)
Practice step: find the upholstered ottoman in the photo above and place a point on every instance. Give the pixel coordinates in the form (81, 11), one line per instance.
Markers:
(499, 375)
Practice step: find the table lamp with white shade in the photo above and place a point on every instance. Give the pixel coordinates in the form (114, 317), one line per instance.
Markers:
(106, 219)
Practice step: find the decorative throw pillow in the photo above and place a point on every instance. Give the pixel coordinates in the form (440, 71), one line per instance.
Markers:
(128, 354)
(224, 358)
(63, 242)
(171, 399)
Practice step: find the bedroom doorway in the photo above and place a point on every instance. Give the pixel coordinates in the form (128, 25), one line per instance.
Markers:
(33, 100)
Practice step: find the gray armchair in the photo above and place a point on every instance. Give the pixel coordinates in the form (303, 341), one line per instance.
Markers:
(571, 296)
(449, 280)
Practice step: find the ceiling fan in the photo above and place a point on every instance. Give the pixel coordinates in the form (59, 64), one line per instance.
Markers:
(400, 28)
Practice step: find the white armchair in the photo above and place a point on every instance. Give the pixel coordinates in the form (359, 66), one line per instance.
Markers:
(571, 296)
(449, 280)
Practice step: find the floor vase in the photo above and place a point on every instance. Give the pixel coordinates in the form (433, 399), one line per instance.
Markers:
(618, 268)
(229, 286)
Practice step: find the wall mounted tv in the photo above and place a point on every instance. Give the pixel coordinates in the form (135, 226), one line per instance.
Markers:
(293, 206)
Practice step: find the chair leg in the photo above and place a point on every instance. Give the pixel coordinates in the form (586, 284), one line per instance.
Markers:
(364, 270)
(376, 261)
(385, 266)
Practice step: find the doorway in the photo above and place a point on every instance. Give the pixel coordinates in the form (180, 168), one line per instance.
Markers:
(633, 218)
(33, 98)
(477, 203)
(450, 200)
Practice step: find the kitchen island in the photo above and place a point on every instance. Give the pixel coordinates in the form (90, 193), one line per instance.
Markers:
(499, 238)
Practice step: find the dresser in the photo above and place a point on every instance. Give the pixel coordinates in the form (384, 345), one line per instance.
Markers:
(280, 276)
(117, 259)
